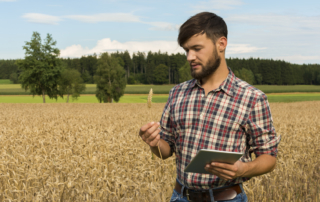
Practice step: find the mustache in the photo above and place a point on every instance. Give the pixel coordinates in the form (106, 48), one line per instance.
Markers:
(194, 63)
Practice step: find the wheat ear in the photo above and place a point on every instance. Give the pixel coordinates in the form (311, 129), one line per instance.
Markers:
(149, 106)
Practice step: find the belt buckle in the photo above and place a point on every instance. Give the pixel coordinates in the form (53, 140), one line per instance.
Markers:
(187, 194)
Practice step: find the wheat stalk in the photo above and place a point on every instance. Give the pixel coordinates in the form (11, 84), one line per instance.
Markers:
(149, 106)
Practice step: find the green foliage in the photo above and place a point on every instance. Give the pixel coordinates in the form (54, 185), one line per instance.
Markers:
(40, 70)
(7, 67)
(185, 72)
(246, 75)
(85, 76)
(14, 78)
(71, 83)
(131, 80)
(161, 73)
(258, 78)
(110, 79)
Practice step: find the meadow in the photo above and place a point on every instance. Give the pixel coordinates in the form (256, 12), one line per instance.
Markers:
(142, 98)
(5, 81)
(92, 152)
(15, 89)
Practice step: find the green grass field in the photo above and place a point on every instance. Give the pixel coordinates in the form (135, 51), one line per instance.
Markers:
(296, 97)
(15, 89)
(81, 99)
(5, 81)
(305, 93)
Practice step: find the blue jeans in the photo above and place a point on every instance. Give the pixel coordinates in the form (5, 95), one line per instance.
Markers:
(176, 197)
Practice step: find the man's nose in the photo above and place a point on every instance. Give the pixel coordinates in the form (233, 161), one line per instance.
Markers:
(191, 56)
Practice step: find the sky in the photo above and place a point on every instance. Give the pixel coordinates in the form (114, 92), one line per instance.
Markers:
(280, 30)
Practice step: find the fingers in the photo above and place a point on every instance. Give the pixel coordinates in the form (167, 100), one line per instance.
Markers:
(222, 170)
(145, 127)
(224, 166)
(224, 174)
(154, 139)
(150, 133)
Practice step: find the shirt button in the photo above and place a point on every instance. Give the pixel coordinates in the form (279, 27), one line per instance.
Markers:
(201, 95)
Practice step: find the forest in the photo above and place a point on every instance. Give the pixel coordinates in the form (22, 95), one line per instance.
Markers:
(162, 68)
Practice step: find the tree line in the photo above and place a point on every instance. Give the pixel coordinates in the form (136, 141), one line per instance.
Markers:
(161, 68)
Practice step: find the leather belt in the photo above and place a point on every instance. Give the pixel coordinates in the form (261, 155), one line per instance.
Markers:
(194, 195)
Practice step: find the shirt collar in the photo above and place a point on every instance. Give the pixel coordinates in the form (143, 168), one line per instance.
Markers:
(227, 85)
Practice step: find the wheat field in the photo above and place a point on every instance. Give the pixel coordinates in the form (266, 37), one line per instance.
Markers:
(92, 152)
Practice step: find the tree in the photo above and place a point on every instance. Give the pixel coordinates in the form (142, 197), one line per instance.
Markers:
(161, 74)
(185, 73)
(40, 70)
(110, 79)
(246, 75)
(14, 78)
(71, 83)
(258, 78)
(318, 79)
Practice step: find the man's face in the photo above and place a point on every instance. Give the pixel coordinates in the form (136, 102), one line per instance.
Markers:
(202, 56)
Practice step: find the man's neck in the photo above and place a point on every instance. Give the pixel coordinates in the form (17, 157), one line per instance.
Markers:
(214, 80)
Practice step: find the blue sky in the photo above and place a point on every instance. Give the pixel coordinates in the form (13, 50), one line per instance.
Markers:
(285, 30)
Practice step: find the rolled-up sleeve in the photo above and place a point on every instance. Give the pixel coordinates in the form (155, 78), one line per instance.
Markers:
(264, 139)
(167, 130)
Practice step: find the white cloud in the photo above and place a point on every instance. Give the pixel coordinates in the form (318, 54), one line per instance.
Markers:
(105, 17)
(241, 48)
(42, 18)
(108, 45)
(217, 5)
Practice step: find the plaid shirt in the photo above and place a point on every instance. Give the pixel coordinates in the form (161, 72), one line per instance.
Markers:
(234, 117)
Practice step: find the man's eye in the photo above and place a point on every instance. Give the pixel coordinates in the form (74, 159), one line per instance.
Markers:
(197, 49)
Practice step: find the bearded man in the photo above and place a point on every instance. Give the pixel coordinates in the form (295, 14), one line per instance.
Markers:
(215, 110)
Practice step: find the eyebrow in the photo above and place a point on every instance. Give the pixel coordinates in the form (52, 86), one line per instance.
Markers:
(194, 46)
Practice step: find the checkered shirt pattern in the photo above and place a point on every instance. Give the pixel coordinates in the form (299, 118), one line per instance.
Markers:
(234, 117)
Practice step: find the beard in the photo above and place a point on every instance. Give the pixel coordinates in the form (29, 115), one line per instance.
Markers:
(208, 69)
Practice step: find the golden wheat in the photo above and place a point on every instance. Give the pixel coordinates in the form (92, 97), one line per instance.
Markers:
(150, 98)
(88, 152)
(149, 106)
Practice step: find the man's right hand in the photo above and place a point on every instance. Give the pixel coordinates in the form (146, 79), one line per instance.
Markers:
(150, 134)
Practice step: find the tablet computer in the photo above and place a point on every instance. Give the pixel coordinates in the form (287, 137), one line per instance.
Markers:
(205, 156)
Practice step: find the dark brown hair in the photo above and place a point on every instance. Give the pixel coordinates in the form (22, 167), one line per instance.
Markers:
(203, 23)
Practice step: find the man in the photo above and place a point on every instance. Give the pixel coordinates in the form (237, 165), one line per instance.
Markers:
(215, 110)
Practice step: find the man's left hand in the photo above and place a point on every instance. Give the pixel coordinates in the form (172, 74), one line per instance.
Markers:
(226, 171)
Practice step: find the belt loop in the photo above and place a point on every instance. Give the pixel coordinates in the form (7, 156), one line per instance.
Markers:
(211, 195)
(241, 186)
(182, 187)
(182, 191)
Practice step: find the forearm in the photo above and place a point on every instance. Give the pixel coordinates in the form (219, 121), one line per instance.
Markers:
(261, 165)
(164, 148)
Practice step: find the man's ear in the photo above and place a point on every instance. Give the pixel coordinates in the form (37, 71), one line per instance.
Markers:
(222, 44)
